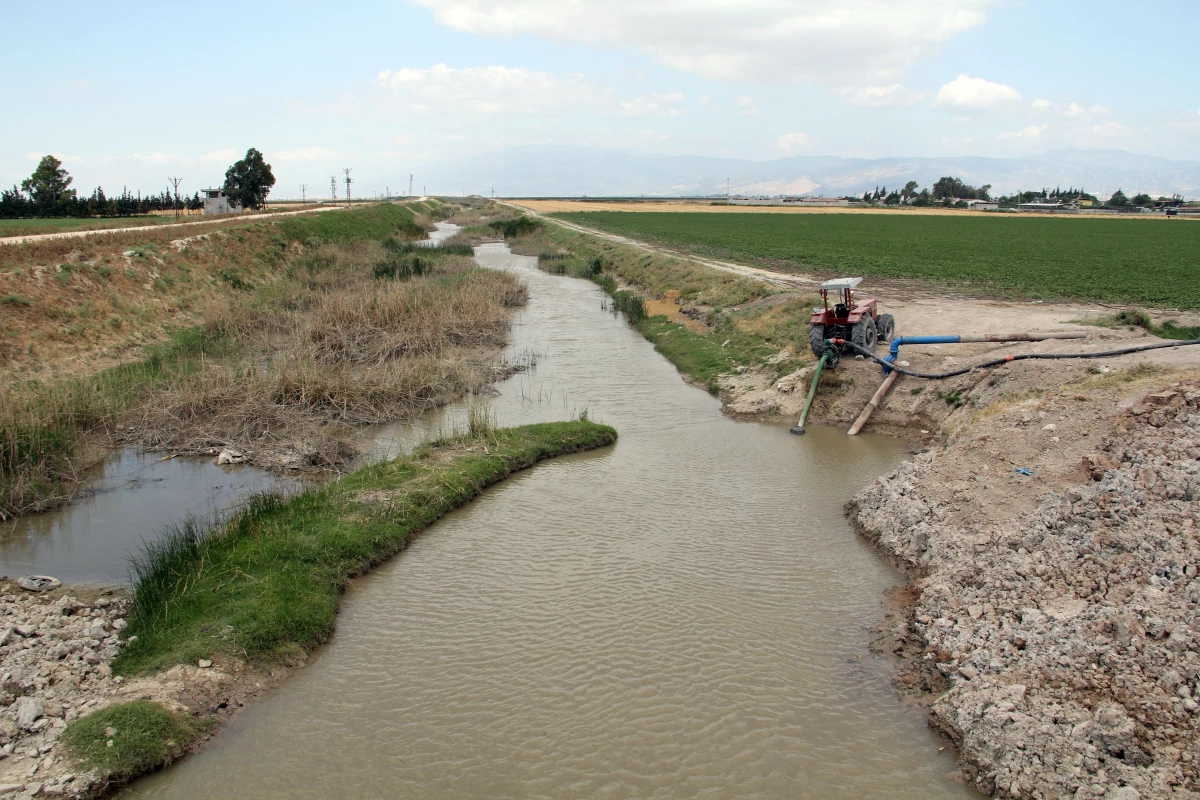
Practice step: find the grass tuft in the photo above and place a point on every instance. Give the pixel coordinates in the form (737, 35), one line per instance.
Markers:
(144, 735)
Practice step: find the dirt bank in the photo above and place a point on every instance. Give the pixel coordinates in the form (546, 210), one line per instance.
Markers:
(1052, 628)
(55, 654)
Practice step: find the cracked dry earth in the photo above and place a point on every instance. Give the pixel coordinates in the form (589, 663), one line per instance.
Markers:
(1054, 628)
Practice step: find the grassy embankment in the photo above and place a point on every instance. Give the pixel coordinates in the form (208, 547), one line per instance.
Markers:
(268, 579)
(305, 337)
(1109, 260)
(726, 329)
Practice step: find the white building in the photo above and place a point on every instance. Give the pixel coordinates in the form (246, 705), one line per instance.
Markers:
(215, 202)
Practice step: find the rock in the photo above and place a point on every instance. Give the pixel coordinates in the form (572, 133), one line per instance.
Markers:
(9, 788)
(38, 583)
(29, 711)
(1098, 464)
(27, 631)
(970, 673)
(975, 611)
(1168, 398)
(228, 456)
(53, 708)
(5, 635)
(1050, 427)
(205, 663)
(110, 732)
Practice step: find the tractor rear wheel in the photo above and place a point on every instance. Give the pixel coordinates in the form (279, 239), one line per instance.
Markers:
(816, 339)
(864, 334)
(885, 327)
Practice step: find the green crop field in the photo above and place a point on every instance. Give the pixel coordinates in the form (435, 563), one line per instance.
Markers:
(1149, 262)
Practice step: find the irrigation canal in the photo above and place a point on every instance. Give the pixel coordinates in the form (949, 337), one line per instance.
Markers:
(686, 614)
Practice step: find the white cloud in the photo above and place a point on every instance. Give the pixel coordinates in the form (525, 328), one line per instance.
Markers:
(492, 90)
(654, 105)
(1074, 110)
(1110, 129)
(774, 41)
(305, 154)
(891, 96)
(1040, 103)
(1033, 132)
(1099, 109)
(1189, 121)
(225, 155)
(747, 106)
(791, 142)
(967, 92)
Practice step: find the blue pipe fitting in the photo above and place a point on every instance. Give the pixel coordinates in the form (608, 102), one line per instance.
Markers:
(894, 350)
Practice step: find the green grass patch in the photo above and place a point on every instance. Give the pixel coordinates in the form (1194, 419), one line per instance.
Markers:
(1133, 318)
(273, 571)
(144, 735)
(1115, 260)
(378, 222)
(14, 300)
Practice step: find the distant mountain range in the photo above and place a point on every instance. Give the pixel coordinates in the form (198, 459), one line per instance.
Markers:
(558, 171)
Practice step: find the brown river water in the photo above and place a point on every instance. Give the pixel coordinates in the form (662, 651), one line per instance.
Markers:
(685, 614)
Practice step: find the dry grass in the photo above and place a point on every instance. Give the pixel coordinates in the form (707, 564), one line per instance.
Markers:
(291, 351)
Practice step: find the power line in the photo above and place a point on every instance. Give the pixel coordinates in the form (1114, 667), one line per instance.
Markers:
(333, 187)
(348, 182)
(176, 182)
(303, 189)
(410, 177)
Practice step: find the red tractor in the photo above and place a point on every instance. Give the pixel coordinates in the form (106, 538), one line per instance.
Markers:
(857, 321)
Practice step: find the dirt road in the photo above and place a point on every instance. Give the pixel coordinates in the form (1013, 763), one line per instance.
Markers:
(42, 237)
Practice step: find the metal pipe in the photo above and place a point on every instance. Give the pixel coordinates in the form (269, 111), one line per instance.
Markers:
(812, 391)
(894, 350)
(873, 403)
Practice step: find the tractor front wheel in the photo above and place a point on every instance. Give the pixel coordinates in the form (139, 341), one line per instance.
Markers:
(864, 334)
(816, 339)
(885, 327)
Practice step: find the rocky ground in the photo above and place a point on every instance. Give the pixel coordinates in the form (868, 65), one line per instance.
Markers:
(55, 652)
(1053, 546)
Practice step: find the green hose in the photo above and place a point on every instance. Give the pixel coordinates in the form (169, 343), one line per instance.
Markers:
(812, 391)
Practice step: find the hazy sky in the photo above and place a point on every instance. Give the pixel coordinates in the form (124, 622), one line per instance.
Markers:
(129, 93)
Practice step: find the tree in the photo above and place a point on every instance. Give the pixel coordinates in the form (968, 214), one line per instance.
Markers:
(48, 183)
(1144, 200)
(249, 181)
(1118, 200)
(909, 190)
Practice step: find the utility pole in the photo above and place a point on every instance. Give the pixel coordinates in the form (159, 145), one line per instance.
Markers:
(303, 189)
(333, 187)
(410, 177)
(388, 189)
(727, 191)
(348, 181)
(175, 182)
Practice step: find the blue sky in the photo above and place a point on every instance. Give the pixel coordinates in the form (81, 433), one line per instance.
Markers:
(130, 93)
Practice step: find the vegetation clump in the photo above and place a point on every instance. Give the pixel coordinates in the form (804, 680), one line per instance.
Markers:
(126, 740)
(273, 571)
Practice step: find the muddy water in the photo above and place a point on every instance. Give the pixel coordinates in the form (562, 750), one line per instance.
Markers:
(685, 614)
(133, 496)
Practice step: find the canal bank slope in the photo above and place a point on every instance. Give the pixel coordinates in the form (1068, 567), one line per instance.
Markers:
(221, 614)
(1052, 544)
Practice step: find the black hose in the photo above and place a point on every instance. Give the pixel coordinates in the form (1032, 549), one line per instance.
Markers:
(997, 362)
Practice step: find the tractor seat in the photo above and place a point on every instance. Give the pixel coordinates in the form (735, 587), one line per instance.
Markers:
(841, 310)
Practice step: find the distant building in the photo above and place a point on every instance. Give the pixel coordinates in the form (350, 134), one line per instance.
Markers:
(979, 205)
(789, 201)
(215, 202)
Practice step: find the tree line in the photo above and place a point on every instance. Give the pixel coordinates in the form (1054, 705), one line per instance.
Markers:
(951, 192)
(48, 193)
